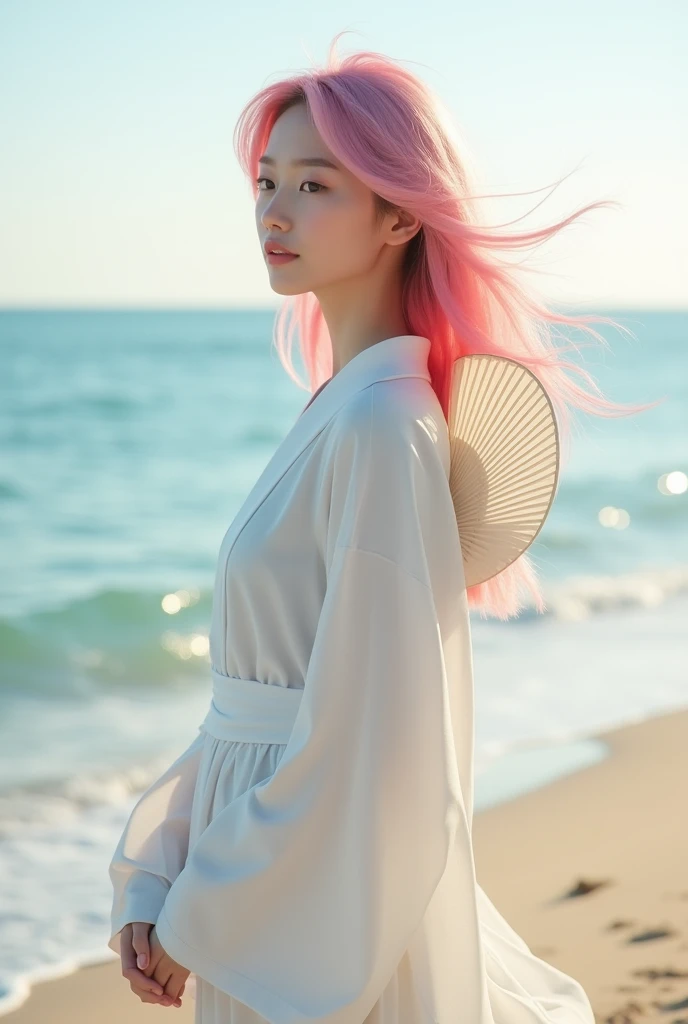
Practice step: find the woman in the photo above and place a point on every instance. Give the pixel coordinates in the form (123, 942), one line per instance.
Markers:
(309, 856)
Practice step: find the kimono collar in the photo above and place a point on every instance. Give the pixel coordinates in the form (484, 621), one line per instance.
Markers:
(402, 356)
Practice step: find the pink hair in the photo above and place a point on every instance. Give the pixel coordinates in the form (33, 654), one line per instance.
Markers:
(391, 131)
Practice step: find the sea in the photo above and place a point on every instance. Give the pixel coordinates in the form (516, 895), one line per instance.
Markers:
(128, 441)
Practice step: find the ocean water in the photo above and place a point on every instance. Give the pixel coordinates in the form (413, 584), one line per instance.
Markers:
(128, 440)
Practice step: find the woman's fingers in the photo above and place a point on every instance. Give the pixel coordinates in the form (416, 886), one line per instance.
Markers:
(169, 977)
(140, 983)
(134, 943)
(139, 941)
(137, 979)
(146, 997)
(174, 986)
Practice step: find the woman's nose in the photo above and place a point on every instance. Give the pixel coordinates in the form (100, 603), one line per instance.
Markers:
(272, 216)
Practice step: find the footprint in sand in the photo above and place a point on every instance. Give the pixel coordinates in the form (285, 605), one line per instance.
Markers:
(651, 934)
(682, 1004)
(584, 886)
(655, 973)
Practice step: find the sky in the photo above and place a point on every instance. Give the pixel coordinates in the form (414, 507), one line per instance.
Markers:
(119, 186)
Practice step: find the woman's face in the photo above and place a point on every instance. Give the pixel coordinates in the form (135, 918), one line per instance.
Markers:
(325, 214)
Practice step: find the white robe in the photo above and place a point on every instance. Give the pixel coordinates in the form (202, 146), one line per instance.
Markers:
(318, 866)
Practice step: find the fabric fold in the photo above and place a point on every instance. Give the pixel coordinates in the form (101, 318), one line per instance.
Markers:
(153, 846)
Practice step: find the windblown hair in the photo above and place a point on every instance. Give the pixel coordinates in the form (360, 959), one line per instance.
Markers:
(390, 130)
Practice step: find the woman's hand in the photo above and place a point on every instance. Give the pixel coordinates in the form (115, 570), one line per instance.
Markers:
(164, 970)
(134, 943)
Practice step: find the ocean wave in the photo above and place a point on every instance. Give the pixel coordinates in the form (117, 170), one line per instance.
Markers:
(582, 597)
(111, 639)
(56, 802)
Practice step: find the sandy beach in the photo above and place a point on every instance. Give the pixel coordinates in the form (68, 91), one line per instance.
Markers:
(591, 869)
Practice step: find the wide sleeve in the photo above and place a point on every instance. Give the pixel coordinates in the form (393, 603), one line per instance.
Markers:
(153, 846)
(301, 896)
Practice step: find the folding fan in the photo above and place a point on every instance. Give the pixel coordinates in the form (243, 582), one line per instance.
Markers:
(504, 445)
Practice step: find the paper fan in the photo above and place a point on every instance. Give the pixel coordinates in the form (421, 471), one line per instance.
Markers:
(504, 446)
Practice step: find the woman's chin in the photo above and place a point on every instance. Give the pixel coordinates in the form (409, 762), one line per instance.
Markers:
(286, 288)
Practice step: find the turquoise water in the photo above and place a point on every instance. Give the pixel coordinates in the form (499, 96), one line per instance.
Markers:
(128, 440)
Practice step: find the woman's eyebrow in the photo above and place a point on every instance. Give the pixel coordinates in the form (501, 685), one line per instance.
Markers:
(306, 161)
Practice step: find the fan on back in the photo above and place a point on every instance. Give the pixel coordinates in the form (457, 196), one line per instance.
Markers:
(504, 468)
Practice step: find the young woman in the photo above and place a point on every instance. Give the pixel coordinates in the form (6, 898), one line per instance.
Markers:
(309, 856)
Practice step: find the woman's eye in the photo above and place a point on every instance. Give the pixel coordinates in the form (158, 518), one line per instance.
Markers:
(317, 185)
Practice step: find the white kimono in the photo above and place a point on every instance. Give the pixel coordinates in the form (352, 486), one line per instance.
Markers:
(309, 856)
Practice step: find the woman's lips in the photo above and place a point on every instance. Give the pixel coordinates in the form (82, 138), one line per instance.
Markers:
(280, 257)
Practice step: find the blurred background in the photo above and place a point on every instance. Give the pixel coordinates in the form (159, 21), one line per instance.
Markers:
(140, 396)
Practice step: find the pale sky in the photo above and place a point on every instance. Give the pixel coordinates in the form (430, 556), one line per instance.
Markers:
(119, 185)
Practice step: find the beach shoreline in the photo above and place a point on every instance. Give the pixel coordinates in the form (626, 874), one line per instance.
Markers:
(589, 868)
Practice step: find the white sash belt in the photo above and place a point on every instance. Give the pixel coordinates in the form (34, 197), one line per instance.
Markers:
(250, 711)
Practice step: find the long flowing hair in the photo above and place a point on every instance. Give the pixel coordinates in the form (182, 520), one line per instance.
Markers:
(390, 129)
